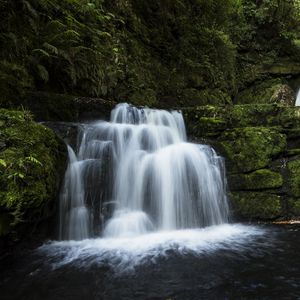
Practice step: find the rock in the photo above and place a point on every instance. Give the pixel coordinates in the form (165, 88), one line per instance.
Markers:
(64, 108)
(283, 95)
(196, 97)
(294, 207)
(282, 67)
(258, 180)
(32, 164)
(294, 177)
(251, 148)
(260, 92)
(256, 205)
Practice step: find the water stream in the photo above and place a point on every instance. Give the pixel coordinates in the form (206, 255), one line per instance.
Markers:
(144, 215)
(297, 103)
(138, 174)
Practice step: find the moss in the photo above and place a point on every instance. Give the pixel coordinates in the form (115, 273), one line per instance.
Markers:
(261, 92)
(194, 97)
(283, 67)
(252, 115)
(294, 207)
(252, 148)
(287, 119)
(293, 152)
(256, 205)
(294, 177)
(210, 126)
(30, 165)
(144, 97)
(257, 180)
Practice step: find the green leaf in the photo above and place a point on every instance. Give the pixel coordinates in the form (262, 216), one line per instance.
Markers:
(43, 73)
(33, 160)
(41, 52)
(3, 163)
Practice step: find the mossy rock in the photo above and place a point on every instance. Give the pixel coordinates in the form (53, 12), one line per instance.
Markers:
(284, 95)
(282, 67)
(294, 177)
(258, 180)
(145, 97)
(294, 207)
(63, 108)
(251, 148)
(260, 92)
(31, 165)
(256, 205)
(209, 120)
(195, 97)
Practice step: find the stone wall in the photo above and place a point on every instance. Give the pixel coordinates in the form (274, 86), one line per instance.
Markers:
(261, 146)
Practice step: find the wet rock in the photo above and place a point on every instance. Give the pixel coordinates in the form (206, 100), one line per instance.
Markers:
(258, 180)
(283, 95)
(256, 205)
(32, 163)
(252, 148)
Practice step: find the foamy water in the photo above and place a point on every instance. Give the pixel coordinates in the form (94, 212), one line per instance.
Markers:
(126, 253)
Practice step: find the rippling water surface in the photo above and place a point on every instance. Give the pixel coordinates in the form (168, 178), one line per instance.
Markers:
(221, 262)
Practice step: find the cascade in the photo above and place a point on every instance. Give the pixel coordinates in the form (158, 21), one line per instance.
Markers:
(138, 174)
(297, 103)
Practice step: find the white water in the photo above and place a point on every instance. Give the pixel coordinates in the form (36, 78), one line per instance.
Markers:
(298, 99)
(75, 220)
(136, 191)
(140, 170)
(126, 253)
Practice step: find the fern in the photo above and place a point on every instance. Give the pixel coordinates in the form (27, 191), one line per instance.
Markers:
(3, 163)
(42, 73)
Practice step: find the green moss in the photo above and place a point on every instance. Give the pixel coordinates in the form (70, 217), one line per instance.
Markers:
(294, 177)
(283, 67)
(293, 152)
(252, 148)
(144, 97)
(256, 205)
(258, 180)
(261, 92)
(31, 162)
(294, 207)
(252, 115)
(210, 126)
(195, 97)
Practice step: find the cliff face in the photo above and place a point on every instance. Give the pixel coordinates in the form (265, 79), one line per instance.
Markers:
(261, 145)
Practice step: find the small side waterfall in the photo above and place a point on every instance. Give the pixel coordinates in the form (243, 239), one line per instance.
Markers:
(297, 103)
(137, 174)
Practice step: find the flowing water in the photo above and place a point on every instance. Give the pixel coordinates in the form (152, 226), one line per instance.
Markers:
(144, 215)
(138, 174)
(298, 99)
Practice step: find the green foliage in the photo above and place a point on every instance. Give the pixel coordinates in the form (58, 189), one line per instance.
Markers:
(61, 45)
(183, 52)
(28, 169)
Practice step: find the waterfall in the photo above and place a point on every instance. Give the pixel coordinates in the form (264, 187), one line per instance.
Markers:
(138, 174)
(298, 99)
